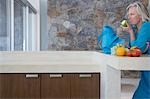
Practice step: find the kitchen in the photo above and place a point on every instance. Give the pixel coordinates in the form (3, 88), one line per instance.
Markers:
(63, 36)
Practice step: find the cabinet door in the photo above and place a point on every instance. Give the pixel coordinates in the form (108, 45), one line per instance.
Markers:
(19, 86)
(55, 86)
(85, 86)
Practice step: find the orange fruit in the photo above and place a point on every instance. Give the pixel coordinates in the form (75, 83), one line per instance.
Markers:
(120, 51)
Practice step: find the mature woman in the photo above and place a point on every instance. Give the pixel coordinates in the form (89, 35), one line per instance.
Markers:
(138, 17)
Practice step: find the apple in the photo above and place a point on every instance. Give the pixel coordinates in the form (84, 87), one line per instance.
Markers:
(129, 54)
(124, 23)
(133, 53)
(136, 53)
(134, 47)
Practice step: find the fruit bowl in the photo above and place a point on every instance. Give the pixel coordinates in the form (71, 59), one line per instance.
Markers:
(120, 50)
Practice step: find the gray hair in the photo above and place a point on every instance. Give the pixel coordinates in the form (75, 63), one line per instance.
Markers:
(141, 10)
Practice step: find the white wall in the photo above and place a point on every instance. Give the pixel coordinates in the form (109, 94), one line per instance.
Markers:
(36, 5)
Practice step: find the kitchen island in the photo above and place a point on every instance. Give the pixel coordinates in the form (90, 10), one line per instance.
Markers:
(87, 62)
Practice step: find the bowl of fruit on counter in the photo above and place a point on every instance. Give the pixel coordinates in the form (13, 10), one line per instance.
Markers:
(121, 50)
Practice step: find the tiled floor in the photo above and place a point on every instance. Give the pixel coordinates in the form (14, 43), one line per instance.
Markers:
(128, 87)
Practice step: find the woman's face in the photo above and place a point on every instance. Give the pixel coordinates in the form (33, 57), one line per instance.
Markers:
(133, 16)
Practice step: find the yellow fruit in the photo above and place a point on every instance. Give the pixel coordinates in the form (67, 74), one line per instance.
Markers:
(120, 51)
(134, 47)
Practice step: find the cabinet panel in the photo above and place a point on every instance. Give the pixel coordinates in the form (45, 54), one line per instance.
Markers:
(85, 86)
(55, 86)
(17, 86)
(50, 86)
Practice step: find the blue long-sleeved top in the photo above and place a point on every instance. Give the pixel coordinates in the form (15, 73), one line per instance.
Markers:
(142, 36)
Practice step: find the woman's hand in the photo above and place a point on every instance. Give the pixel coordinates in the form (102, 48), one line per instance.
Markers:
(129, 30)
(126, 29)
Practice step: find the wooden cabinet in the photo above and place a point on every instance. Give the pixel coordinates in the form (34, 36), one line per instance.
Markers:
(70, 86)
(55, 86)
(19, 86)
(50, 86)
(85, 86)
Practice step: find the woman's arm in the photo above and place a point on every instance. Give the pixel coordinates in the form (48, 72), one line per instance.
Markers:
(142, 37)
(132, 35)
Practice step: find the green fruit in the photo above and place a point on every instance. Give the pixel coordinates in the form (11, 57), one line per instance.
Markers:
(124, 23)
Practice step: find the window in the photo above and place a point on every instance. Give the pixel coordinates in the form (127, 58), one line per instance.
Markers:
(16, 25)
(19, 18)
(31, 29)
(4, 35)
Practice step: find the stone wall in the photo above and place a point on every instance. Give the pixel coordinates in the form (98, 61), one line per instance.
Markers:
(75, 24)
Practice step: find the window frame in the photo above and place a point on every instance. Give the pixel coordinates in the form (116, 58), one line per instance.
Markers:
(10, 26)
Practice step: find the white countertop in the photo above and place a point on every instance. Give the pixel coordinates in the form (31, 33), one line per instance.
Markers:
(49, 61)
(129, 63)
(67, 61)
